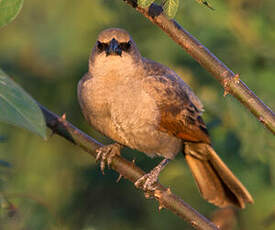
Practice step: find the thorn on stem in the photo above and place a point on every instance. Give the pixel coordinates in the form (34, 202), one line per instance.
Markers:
(226, 87)
(261, 119)
(157, 194)
(237, 78)
(224, 74)
(169, 191)
(63, 117)
(119, 178)
(147, 195)
(161, 206)
(225, 93)
(227, 80)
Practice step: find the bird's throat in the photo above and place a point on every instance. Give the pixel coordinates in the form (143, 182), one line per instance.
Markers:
(105, 66)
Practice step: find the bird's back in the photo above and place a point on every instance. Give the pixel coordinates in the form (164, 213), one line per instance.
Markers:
(160, 71)
(179, 108)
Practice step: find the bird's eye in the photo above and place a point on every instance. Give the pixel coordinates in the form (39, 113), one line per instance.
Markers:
(125, 46)
(102, 46)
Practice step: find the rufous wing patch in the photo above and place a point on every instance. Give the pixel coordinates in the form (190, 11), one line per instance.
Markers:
(183, 122)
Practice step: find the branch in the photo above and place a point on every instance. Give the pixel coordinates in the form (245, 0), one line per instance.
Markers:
(128, 170)
(229, 80)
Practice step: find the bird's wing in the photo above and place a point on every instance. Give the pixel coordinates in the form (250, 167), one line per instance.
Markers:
(178, 105)
(154, 68)
(81, 94)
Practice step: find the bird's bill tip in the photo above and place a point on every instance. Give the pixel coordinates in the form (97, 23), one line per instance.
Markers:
(113, 48)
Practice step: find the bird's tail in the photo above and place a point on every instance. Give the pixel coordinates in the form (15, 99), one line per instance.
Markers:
(216, 182)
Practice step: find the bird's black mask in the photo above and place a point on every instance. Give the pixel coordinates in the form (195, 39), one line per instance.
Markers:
(113, 47)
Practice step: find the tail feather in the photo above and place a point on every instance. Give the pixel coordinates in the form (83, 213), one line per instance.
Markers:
(216, 182)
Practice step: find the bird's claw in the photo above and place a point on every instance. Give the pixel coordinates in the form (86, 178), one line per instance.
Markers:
(148, 181)
(106, 154)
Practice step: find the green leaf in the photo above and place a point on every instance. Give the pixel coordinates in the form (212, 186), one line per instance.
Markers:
(18, 108)
(170, 7)
(204, 2)
(9, 9)
(145, 3)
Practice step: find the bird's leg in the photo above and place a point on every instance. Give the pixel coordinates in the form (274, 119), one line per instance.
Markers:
(106, 154)
(149, 179)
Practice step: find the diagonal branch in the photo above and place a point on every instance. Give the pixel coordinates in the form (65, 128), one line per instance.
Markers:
(128, 170)
(229, 80)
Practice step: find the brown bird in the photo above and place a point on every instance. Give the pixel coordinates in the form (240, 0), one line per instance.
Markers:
(146, 106)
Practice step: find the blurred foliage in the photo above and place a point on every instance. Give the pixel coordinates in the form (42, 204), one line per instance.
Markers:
(145, 3)
(9, 9)
(170, 7)
(54, 185)
(19, 108)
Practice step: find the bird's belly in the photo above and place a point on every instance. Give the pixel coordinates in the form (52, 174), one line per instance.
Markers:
(139, 135)
(129, 116)
(149, 140)
(135, 121)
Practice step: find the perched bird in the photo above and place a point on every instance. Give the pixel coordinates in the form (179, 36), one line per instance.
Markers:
(146, 106)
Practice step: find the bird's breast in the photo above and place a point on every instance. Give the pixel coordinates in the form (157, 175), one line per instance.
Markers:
(124, 112)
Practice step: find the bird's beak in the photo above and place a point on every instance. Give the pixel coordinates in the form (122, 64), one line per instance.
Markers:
(113, 48)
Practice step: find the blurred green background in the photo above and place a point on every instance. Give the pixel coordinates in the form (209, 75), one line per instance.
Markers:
(55, 185)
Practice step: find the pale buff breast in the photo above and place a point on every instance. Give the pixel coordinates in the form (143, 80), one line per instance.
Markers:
(121, 110)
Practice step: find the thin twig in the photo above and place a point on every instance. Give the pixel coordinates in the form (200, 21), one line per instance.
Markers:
(229, 80)
(128, 170)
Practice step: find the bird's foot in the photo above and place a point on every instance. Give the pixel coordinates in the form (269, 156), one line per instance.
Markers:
(148, 181)
(106, 154)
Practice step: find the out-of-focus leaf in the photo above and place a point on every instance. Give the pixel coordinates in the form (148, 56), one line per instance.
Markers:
(145, 3)
(204, 2)
(5, 164)
(9, 9)
(18, 108)
(171, 7)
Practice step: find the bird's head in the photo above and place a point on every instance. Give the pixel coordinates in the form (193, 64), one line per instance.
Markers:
(114, 47)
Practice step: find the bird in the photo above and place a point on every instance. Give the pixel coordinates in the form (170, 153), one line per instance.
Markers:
(144, 105)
